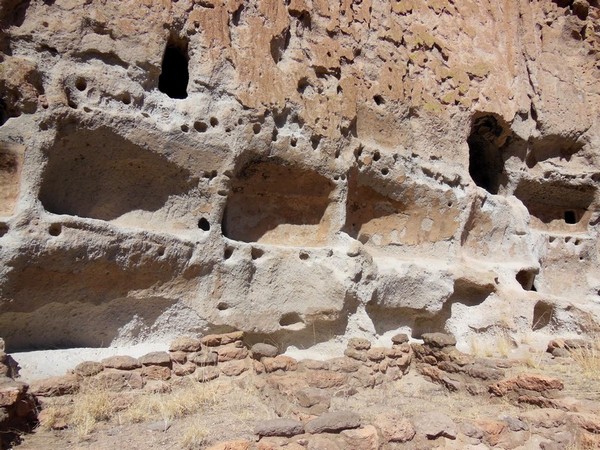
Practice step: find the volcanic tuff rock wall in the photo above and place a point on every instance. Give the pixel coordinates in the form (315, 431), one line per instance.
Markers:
(301, 170)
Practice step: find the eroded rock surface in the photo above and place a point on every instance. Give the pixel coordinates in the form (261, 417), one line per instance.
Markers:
(298, 171)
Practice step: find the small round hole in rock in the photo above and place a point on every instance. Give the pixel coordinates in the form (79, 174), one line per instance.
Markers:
(378, 99)
(185, 128)
(222, 306)
(161, 251)
(228, 253)
(293, 142)
(203, 224)
(55, 229)
(385, 171)
(376, 156)
(256, 253)
(126, 98)
(81, 84)
(256, 128)
(304, 256)
(214, 122)
(200, 127)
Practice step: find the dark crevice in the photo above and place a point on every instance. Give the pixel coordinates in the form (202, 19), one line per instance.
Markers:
(3, 113)
(237, 15)
(279, 45)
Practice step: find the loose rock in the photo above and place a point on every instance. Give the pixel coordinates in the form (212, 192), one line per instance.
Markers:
(333, 422)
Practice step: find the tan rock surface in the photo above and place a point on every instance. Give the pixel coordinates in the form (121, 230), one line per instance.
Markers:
(304, 172)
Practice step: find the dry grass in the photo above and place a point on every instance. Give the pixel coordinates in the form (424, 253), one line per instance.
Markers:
(500, 345)
(534, 360)
(583, 441)
(588, 360)
(93, 405)
(90, 407)
(188, 399)
(56, 414)
(195, 436)
(504, 345)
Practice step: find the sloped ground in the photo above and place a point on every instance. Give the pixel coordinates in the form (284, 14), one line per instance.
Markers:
(540, 401)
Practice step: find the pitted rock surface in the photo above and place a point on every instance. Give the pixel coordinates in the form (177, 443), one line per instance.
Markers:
(303, 172)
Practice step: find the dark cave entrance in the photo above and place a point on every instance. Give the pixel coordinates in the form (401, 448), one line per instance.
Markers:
(174, 77)
(486, 164)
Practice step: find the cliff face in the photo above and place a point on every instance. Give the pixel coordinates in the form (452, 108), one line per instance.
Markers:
(302, 170)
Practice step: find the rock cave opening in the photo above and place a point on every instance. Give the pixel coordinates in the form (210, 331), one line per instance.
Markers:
(367, 211)
(486, 164)
(552, 148)
(264, 206)
(526, 278)
(174, 77)
(556, 206)
(391, 214)
(98, 174)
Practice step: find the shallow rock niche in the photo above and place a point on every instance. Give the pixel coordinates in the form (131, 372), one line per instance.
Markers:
(303, 171)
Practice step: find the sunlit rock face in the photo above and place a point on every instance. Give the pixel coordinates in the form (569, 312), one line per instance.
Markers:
(303, 171)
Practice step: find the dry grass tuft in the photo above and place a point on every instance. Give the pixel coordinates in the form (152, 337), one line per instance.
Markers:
(187, 400)
(588, 359)
(56, 414)
(92, 406)
(500, 345)
(195, 436)
(534, 360)
(583, 441)
(504, 345)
